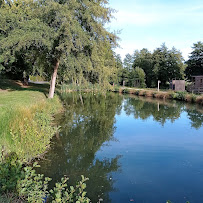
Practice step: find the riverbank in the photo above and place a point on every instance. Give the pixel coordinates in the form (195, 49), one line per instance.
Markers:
(167, 94)
(26, 117)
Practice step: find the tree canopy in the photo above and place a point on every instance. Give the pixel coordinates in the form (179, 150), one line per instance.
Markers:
(58, 33)
(162, 64)
(195, 62)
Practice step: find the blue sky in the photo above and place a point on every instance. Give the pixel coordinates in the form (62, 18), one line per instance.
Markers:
(149, 23)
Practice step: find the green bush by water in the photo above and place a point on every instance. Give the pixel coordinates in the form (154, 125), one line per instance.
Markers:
(22, 182)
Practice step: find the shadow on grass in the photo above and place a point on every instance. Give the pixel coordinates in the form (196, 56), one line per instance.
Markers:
(11, 85)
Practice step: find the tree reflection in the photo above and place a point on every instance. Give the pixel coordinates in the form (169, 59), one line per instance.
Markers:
(144, 109)
(196, 117)
(87, 123)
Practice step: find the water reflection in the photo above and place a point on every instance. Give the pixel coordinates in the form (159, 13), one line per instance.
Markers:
(89, 143)
(87, 123)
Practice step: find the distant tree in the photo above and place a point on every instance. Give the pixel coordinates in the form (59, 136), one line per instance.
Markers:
(128, 62)
(195, 62)
(168, 64)
(137, 74)
(144, 60)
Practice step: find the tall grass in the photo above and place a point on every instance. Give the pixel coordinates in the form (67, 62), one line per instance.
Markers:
(26, 122)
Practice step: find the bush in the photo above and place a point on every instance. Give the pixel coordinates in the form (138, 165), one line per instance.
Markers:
(193, 98)
(137, 92)
(10, 173)
(126, 91)
(25, 184)
(154, 94)
(180, 96)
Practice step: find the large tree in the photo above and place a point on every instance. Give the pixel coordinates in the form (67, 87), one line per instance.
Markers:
(58, 33)
(195, 62)
(168, 64)
(144, 60)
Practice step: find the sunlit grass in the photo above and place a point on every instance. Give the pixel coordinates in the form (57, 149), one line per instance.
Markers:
(25, 120)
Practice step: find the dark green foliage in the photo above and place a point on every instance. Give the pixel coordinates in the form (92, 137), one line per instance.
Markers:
(38, 35)
(29, 186)
(10, 173)
(137, 78)
(125, 91)
(195, 62)
(163, 64)
(180, 96)
(167, 64)
(137, 92)
(144, 60)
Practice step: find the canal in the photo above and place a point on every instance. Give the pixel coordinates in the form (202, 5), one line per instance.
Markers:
(132, 149)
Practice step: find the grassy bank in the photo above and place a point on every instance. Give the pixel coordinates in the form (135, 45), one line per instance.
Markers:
(26, 117)
(181, 96)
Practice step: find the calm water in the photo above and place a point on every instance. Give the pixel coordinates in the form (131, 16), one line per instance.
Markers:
(132, 149)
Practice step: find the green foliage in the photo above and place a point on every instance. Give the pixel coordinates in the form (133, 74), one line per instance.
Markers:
(193, 98)
(144, 60)
(32, 187)
(195, 62)
(37, 35)
(162, 64)
(180, 96)
(116, 88)
(10, 173)
(62, 194)
(137, 77)
(172, 95)
(137, 92)
(26, 121)
(154, 94)
(126, 90)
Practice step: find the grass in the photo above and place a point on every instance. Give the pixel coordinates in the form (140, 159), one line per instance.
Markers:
(26, 119)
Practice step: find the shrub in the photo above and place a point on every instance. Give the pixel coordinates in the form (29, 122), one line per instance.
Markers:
(10, 173)
(25, 183)
(154, 94)
(180, 96)
(126, 91)
(172, 95)
(137, 92)
(193, 98)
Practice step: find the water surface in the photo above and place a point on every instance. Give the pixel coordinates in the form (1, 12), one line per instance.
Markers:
(132, 149)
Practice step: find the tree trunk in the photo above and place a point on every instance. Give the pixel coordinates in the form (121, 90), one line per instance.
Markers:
(53, 80)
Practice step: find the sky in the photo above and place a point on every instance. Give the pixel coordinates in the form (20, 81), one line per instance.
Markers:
(149, 23)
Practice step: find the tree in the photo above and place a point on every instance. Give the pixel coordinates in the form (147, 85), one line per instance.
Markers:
(56, 31)
(138, 75)
(167, 64)
(195, 62)
(144, 60)
(128, 62)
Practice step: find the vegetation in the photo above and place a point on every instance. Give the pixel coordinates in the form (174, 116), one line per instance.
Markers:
(163, 64)
(58, 37)
(26, 120)
(165, 94)
(195, 62)
(23, 184)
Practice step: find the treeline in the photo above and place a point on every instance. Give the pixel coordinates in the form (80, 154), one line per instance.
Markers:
(67, 42)
(144, 68)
